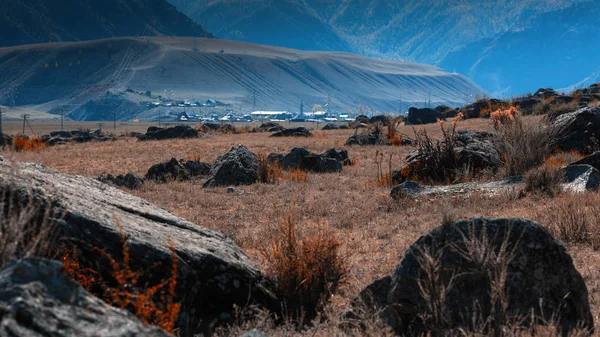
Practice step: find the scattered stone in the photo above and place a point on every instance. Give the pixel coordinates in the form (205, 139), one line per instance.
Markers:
(270, 127)
(239, 166)
(129, 180)
(367, 138)
(593, 160)
(213, 275)
(177, 169)
(381, 119)
(540, 278)
(39, 299)
(341, 156)
(578, 130)
(414, 189)
(418, 116)
(57, 141)
(175, 132)
(295, 132)
(404, 189)
(304, 160)
(62, 134)
(581, 178)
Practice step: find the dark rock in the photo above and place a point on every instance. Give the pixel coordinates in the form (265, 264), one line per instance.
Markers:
(239, 166)
(404, 189)
(579, 130)
(62, 134)
(275, 129)
(483, 107)
(57, 141)
(152, 129)
(592, 160)
(275, 158)
(295, 132)
(211, 126)
(466, 258)
(22, 136)
(5, 140)
(422, 116)
(175, 132)
(360, 126)
(129, 180)
(45, 138)
(331, 126)
(367, 138)
(527, 105)
(304, 160)
(39, 299)
(270, 127)
(134, 134)
(213, 275)
(341, 156)
(177, 169)
(344, 127)
(546, 93)
(581, 178)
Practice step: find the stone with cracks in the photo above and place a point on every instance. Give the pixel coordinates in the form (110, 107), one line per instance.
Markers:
(581, 178)
(239, 166)
(214, 274)
(466, 258)
(579, 130)
(39, 299)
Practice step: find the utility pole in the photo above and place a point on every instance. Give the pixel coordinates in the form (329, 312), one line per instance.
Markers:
(1, 122)
(115, 118)
(301, 108)
(62, 119)
(429, 101)
(100, 126)
(25, 116)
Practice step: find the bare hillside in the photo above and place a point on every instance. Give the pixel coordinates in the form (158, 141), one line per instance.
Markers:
(73, 74)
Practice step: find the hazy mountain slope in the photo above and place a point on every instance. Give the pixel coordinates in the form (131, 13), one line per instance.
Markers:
(229, 71)
(40, 21)
(284, 23)
(558, 50)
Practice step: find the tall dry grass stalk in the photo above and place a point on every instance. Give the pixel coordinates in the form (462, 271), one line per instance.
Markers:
(27, 225)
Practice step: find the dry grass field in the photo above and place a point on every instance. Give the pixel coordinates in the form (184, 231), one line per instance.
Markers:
(375, 229)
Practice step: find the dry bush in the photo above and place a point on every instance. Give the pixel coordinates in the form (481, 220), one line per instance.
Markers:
(562, 159)
(151, 304)
(194, 157)
(555, 110)
(574, 219)
(524, 144)
(306, 270)
(394, 137)
(272, 173)
(438, 163)
(545, 180)
(383, 179)
(27, 226)
(32, 144)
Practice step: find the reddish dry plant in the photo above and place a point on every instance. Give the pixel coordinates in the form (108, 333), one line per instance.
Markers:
(504, 117)
(153, 305)
(560, 159)
(307, 270)
(321, 135)
(272, 173)
(32, 144)
(194, 156)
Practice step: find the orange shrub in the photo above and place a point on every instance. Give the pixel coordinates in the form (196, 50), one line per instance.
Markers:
(32, 144)
(561, 159)
(307, 270)
(272, 173)
(504, 117)
(321, 135)
(194, 156)
(296, 175)
(152, 305)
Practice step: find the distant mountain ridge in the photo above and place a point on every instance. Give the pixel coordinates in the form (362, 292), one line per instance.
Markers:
(42, 21)
(443, 33)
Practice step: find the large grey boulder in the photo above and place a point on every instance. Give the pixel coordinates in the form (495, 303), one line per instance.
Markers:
(177, 169)
(214, 274)
(579, 130)
(239, 166)
(38, 299)
(175, 132)
(481, 268)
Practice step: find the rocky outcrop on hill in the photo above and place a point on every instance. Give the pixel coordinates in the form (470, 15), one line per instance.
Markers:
(469, 260)
(39, 299)
(213, 274)
(239, 166)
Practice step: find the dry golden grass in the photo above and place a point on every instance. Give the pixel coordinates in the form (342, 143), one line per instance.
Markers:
(376, 229)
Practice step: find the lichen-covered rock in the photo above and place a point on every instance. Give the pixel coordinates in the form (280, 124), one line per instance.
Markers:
(239, 166)
(213, 274)
(39, 299)
(468, 260)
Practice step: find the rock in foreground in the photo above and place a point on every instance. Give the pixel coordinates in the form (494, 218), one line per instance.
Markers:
(213, 272)
(39, 299)
(468, 258)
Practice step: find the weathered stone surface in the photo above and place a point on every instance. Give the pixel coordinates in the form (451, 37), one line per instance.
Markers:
(62, 134)
(418, 116)
(175, 132)
(177, 169)
(540, 278)
(129, 180)
(213, 272)
(341, 156)
(404, 189)
(304, 160)
(410, 188)
(581, 178)
(39, 299)
(367, 138)
(239, 166)
(592, 160)
(270, 127)
(579, 130)
(295, 132)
